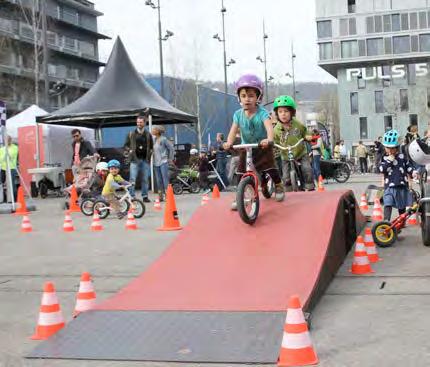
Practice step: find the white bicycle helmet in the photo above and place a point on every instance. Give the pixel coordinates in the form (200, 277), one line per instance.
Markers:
(194, 151)
(102, 166)
(419, 152)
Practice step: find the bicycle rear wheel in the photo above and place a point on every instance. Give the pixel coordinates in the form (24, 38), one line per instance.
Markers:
(248, 202)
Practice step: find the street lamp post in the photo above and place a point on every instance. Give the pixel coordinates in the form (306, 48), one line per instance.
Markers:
(293, 56)
(160, 41)
(264, 61)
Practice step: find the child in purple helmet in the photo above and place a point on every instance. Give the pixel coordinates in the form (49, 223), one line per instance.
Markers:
(255, 126)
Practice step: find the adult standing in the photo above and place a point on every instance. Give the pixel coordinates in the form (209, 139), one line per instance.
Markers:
(361, 152)
(412, 134)
(12, 152)
(336, 151)
(81, 149)
(379, 151)
(138, 150)
(317, 148)
(164, 153)
(342, 151)
(221, 158)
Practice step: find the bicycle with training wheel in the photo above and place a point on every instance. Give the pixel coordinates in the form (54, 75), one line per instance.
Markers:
(126, 202)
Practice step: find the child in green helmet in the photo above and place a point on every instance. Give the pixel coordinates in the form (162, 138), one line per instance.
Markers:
(287, 132)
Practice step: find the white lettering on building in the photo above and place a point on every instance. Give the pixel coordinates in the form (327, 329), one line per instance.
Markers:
(377, 72)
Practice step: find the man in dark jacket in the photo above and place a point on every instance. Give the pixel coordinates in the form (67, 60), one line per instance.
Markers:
(81, 149)
(221, 159)
(138, 149)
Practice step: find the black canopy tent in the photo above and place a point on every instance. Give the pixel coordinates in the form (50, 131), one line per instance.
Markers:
(116, 98)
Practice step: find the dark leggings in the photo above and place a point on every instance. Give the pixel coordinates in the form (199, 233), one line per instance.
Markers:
(388, 210)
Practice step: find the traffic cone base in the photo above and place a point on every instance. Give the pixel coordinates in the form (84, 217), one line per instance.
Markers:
(96, 224)
(131, 222)
(372, 254)
(412, 220)
(86, 297)
(20, 201)
(50, 317)
(171, 219)
(320, 184)
(360, 264)
(26, 225)
(73, 203)
(363, 203)
(215, 192)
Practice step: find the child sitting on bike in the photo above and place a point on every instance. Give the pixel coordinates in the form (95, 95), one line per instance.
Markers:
(102, 171)
(396, 169)
(255, 128)
(114, 182)
(287, 132)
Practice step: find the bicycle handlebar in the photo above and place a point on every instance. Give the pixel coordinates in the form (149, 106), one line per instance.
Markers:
(288, 146)
(245, 146)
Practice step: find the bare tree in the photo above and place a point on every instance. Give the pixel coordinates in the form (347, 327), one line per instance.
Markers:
(328, 113)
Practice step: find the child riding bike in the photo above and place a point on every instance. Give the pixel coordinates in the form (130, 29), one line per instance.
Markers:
(396, 169)
(255, 127)
(287, 132)
(114, 182)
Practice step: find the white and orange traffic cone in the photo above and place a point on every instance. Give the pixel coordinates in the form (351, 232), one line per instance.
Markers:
(86, 297)
(360, 264)
(296, 348)
(131, 221)
(412, 220)
(205, 199)
(96, 224)
(157, 204)
(363, 203)
(372, 254)
(377, 211)
(68, 223)
(50, 316)
(26, 224)
(320, 184)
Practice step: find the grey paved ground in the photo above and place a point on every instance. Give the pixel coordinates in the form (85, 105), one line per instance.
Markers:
(358, 322)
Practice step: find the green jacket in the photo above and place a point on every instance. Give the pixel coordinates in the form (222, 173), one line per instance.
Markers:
(13, 157)
(291, 136)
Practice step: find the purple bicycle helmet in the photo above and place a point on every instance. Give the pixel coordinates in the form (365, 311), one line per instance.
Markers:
(250, 81)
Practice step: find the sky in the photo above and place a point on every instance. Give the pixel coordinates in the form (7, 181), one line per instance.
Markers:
(193, 52)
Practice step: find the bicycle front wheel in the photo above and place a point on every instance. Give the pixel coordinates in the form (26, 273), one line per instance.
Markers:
(248, 202)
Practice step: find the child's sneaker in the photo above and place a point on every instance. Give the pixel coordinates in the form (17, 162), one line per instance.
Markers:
(279, 192)
(234, 205)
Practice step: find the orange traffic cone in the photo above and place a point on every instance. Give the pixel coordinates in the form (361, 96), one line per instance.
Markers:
(26, 225)
(20, 200)
(377, 211)
(296, 349)
(73, 204)
(131, 221)
(215, 192)
(363, 203)
(171, 220)
(50, 316)
(96, 224)
(412, 220)
(68, 223)
(372, 254)
(205, 199)
(360, 264)
(320, 184)
(86, 297)
(157, 204)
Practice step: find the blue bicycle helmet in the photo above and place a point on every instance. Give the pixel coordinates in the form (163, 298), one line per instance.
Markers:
(114, 163)
(391, 139)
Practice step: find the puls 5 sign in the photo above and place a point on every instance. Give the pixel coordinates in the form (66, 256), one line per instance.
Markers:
(376, 72)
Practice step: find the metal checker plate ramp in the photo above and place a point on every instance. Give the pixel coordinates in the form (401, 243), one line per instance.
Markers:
(218, 337)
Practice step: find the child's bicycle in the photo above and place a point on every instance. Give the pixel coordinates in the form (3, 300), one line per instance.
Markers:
(126, 201)
(296, 175)
(247, 197)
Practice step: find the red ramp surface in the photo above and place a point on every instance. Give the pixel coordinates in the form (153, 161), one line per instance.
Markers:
(218, 263)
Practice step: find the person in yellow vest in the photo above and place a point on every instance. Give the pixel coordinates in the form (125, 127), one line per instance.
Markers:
(12, 149)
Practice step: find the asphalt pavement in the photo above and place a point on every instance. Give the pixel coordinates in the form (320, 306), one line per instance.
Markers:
(373, 320)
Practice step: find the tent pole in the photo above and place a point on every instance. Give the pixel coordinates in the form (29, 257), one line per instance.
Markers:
(152, 161)
(37, 146)
(9, 186)
(199, 128)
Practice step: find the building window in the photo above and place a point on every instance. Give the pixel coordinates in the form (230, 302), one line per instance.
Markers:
(352, 26)
(353, 98)
(351, 6)
(388, 123)
(413, 20)
(387, 23)
(361, 83)
(388, 46)
(379, 101)
(378, 24)
(324, 29)
(349, 49)
(414, 43)
(401, 45)
(361, 48)
(395, 22)
(343, 27)
(363, 127)
(326, 51)
(423, 19)
(404, 101)
(425, 42)
(370, 25)
(404, 22)
(375, 46)
(413, 119)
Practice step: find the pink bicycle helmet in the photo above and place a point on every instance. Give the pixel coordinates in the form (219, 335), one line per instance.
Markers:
(250, 81)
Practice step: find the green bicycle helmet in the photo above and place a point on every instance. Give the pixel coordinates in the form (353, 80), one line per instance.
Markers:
(391, 139)
(284, 101)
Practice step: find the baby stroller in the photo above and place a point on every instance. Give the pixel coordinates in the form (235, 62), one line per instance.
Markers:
(184, 179)
(83, 181)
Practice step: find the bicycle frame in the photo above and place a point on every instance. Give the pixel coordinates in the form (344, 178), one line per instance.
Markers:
(250, 169)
